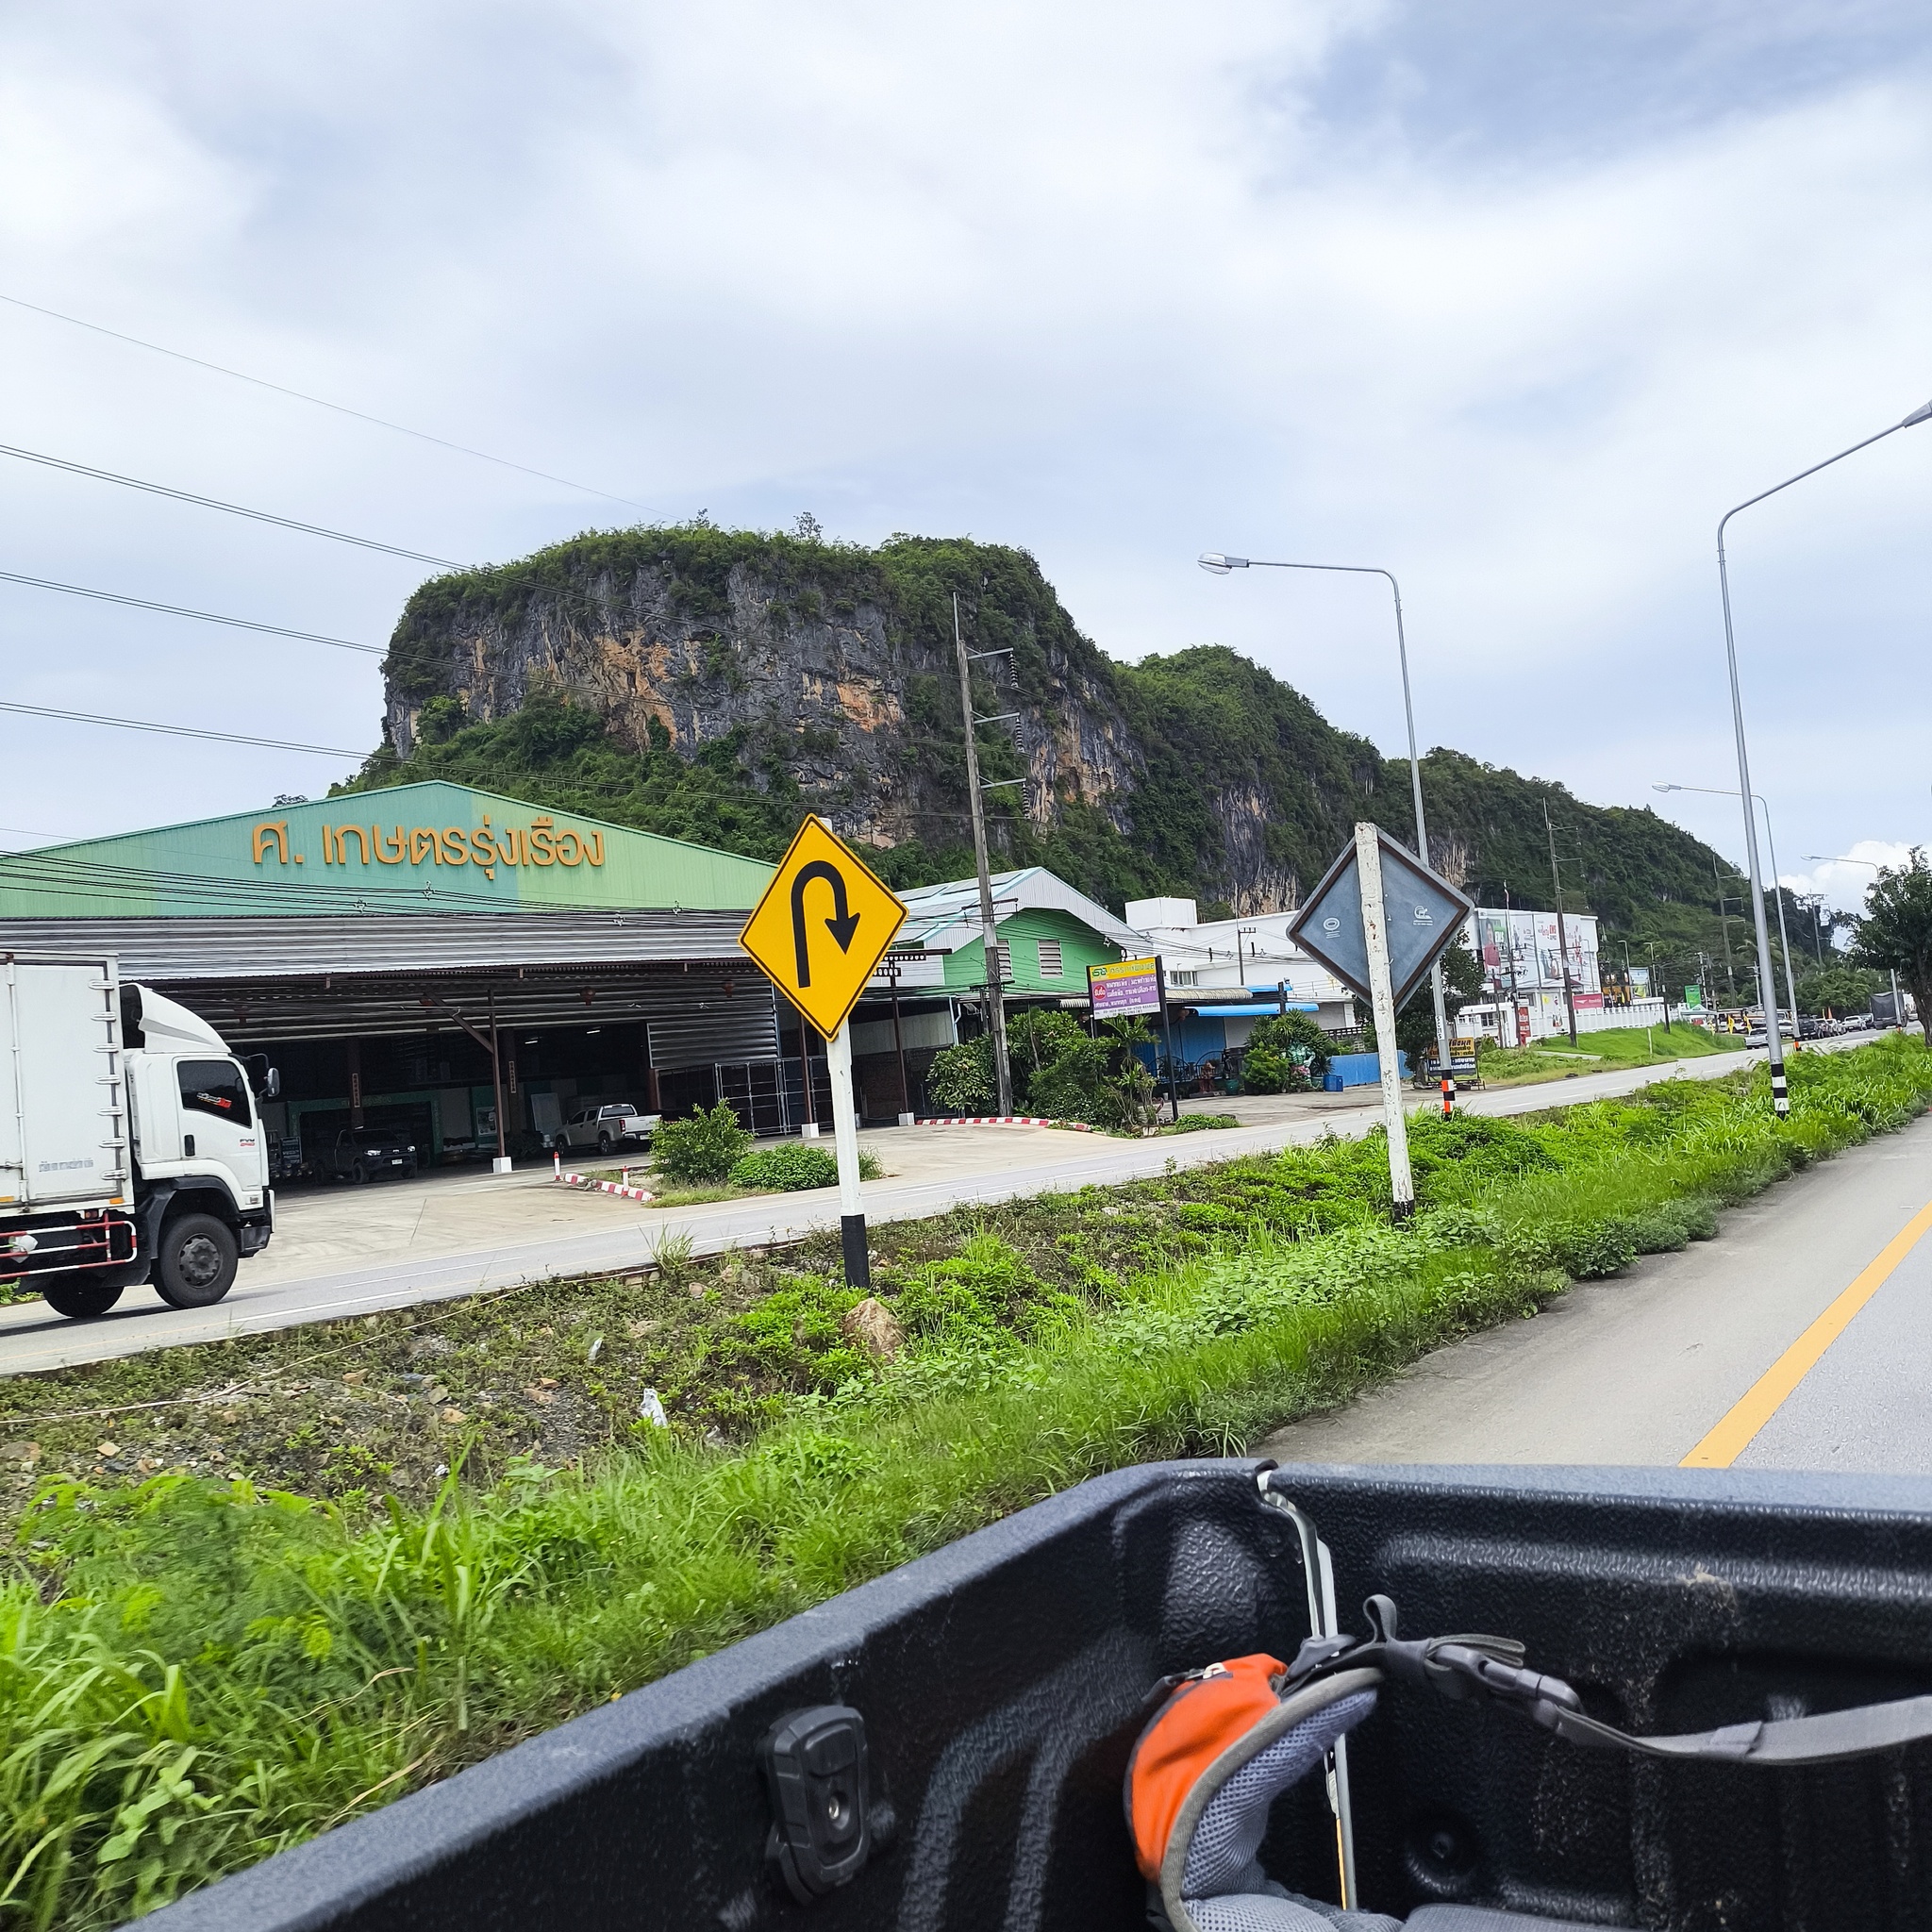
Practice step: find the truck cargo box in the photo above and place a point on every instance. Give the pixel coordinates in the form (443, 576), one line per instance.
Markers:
(64, 1122)
(1002, 1681)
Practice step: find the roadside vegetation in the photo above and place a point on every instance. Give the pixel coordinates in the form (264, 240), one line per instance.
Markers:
(1607, 1052)
(261, 1586)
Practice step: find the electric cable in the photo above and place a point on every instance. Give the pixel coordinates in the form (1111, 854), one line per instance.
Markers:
(234, 510)
(326, 751)
(274, 630)
(322, 403)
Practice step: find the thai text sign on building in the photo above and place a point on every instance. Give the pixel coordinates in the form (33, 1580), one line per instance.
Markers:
(1129, 986)
(537, 844)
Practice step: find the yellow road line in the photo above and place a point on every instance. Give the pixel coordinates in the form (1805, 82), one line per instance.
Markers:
(1765, 1398)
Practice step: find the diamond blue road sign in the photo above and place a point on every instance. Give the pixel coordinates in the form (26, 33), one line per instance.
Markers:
(1423, 910)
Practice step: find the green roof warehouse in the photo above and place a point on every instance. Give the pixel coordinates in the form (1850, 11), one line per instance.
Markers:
(381, 944)
(428, 958)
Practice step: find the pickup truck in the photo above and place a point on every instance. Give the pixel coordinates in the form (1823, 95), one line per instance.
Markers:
(1000, 1683)
(607, 1125)
(369, 1153)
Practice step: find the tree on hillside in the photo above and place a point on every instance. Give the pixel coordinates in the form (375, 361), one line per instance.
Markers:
(1895, 934)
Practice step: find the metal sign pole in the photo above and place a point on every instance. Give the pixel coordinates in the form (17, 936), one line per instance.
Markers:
(1368, 851)
(845, 1141)
(1174, 1090)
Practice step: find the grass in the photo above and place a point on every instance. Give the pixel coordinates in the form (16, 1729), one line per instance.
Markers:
(1601, 1053)
(199, 1671)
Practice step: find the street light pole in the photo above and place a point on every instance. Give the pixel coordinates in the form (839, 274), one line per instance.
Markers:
(1898, 1010)
(1220, 565)
(1780, 1098)
(1784, 939)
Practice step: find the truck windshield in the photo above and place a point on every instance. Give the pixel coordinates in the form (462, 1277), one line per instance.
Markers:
(218, 1088)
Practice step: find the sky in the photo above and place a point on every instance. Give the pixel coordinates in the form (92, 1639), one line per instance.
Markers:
(1513, 300)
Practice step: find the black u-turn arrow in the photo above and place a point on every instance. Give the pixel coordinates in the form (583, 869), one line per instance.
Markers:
(841, 925)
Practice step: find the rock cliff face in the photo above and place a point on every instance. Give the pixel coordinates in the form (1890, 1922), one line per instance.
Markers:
(824, 666)
(712, 684)
(832, 670)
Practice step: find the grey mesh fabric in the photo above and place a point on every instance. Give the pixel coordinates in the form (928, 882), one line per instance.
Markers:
(1221, 1858)
(1487, 1919)
(1278, 1911)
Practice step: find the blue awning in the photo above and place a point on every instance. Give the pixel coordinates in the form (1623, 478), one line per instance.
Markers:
(1255, 1009)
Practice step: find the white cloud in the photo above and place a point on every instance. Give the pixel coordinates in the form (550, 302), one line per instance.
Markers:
(1117, 284)
(1845, 885)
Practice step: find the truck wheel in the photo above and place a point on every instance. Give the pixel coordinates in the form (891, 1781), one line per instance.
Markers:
(358, 1174)
(197, 1261)
(79, 1299)
(602, 1143)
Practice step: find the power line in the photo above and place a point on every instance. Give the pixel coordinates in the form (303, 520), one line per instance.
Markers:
(274, 630)
(328, 750)
(322, 403)
(234, 510)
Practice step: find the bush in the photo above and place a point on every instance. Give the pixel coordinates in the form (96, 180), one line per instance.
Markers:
(796, 1165)
(1265, 1071)
(961, 1077)
(1129, 1101)
(1296, 1038)
(706, 1147)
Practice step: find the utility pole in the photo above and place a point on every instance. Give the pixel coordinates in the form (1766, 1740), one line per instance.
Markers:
(989, 932)
(1725, 917)
(1509, 953)
(1562, 931)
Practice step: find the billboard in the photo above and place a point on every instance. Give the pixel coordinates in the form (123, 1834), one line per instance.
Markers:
(1128, 986)
(1520, 949)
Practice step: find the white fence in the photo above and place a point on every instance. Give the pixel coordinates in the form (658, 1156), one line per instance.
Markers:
(1638, 1013)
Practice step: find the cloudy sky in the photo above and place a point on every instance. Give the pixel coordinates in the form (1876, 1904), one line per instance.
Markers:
(1516, 299)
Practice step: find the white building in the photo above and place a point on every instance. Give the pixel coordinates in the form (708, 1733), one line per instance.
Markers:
(1224, 964)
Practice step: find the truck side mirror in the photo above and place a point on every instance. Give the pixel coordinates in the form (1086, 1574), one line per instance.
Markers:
(266, 1080)
(272, 1085)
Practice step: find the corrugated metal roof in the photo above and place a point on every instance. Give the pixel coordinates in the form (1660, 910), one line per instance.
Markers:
(946, 917)
(200, 950)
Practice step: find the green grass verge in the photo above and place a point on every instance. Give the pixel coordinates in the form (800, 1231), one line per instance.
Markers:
(1606, 1052)
(198, 1673)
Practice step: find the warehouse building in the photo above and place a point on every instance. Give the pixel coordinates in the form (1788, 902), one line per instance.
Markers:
(431, 959)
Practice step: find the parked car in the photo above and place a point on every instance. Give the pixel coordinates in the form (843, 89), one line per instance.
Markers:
(607, 1125)
(367, 1154)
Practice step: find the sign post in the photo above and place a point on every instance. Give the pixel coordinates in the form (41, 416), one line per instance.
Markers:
(1368, 858)
(1127, 987)
(823, 926)
(1378, 921)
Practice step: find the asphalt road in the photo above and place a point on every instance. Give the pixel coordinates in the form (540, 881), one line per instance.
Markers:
(1800, 1338)
(33, 1338)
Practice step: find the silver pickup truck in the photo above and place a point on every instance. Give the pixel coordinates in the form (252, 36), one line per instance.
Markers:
(608, 1124)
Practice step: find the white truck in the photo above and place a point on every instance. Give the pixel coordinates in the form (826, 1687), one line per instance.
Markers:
(132, 1150)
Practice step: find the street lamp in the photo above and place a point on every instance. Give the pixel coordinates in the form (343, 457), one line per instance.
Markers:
(1220, 564)
(1780, 1099)
(1898, 1011)
(1784, 938)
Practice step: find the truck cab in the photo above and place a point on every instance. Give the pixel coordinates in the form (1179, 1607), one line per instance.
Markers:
(135, 1152)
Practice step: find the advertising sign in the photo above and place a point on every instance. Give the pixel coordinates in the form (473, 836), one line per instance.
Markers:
(1693, 997)
(1128, 986)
